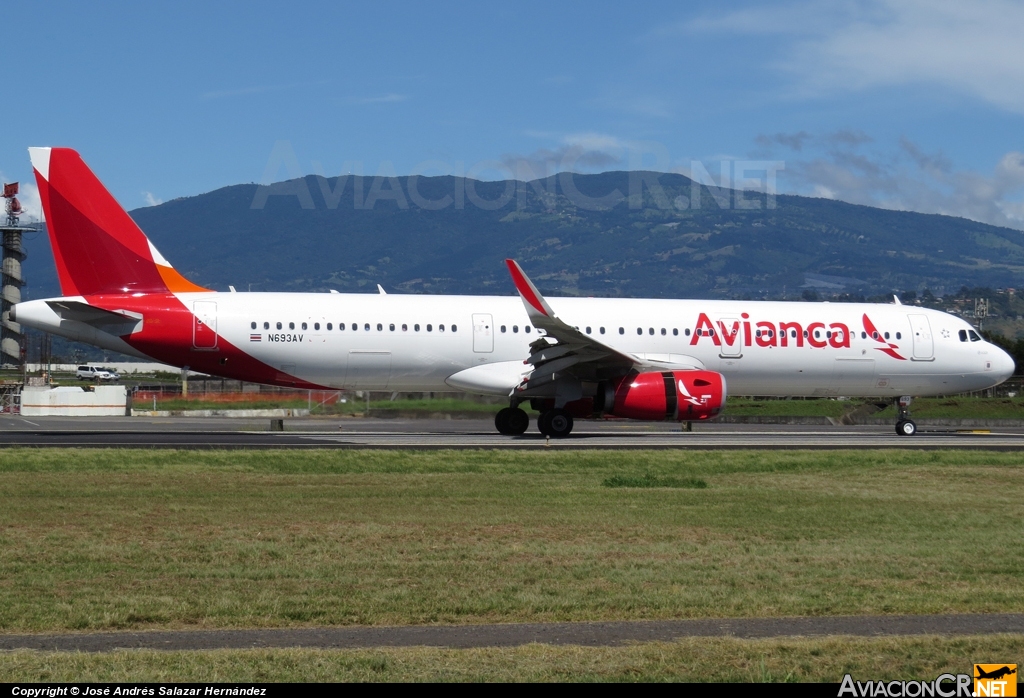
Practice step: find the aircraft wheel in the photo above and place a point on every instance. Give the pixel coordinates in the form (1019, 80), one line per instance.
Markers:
(906, 428)
(511, 421)
(518, 421)
(543, 422)
(501, 420)
(558, 424)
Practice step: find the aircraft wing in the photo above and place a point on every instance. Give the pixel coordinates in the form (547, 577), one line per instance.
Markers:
(575, 352)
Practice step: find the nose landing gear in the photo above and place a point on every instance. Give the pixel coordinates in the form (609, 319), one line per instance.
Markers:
(904, 424)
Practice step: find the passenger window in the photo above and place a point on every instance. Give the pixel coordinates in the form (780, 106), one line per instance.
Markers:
(527, 329)
(687, 331)
(874, 335)
(430, 328)
(663, 333)
(639, 330)
(405, 327)
(886, 335)
(675, 331)
(829, 334)
(515, 328)
(817, 334)
(602, 330)
(341, 326)
(391, 327)
(805, 334)
(899, 336)
(622, 330)
(266, 325)
(416, 327)
(279, 325)
(650, 330)
(303, 325)
(316, 326)
(253, 325)
(291, 325)
(963, 335)
(588, 330)
(711, 333)
(503, 328)
(440, 328)
(863, 335)
(366, 326)
(793, 334)
(455, 328)
(380, 327)
(330, 326)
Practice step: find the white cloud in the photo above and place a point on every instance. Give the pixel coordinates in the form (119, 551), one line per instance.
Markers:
(973, 48)
(150, 199)
(913, 180)
(578, 152)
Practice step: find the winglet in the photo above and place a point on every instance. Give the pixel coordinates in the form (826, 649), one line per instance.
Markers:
(535, 304)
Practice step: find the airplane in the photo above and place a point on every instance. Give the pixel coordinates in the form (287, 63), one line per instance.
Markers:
(994, 674)
(566, 358)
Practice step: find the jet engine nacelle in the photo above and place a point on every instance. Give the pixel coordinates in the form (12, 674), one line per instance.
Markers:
(682, 396)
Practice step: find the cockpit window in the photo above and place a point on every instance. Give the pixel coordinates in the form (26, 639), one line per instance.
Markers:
(973, 335)
(963, 335)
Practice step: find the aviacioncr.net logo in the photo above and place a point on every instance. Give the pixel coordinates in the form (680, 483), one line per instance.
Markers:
(945, 686)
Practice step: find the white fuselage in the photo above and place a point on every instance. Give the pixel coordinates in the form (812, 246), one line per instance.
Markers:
(417, 342)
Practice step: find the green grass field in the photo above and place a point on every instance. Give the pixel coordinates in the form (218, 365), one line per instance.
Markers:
(922, 408)
(95, 540)
(105, 539)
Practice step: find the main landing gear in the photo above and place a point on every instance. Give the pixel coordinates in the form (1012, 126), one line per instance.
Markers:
(556, 423)
(511, 421)
(904, 424)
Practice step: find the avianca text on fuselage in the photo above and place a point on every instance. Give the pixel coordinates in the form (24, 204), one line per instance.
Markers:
(745, 332)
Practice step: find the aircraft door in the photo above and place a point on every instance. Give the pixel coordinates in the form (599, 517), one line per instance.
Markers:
(730, 334)
(483, 333)
(368, 370)
(924, 347)
(204, 324)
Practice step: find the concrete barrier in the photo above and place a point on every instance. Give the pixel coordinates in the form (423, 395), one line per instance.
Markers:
(241, 414)
(101, 401)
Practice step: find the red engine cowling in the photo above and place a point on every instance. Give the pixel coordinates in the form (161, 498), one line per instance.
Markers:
(682, 396)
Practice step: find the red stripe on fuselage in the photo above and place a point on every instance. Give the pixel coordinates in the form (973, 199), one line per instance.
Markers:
(166, 336)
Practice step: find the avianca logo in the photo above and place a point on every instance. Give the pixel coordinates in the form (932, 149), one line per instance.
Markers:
(889, 347)
(744, 333)
(767, 334)
(695, 401)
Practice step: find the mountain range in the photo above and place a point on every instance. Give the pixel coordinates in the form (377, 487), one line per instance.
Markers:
(612, 234)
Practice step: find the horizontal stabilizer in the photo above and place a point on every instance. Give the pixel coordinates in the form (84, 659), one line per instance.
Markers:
(115, 322)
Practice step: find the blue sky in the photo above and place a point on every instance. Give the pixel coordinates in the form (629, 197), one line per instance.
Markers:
(908, 105)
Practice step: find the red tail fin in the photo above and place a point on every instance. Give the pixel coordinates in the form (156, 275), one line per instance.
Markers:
(98, 248)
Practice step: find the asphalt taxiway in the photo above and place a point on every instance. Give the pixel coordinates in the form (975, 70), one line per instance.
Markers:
(216, 432)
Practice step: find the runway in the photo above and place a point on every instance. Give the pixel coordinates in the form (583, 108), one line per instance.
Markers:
(594, 634)
(227, 433)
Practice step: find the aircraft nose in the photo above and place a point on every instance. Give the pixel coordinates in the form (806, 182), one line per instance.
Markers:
(1002, 364)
